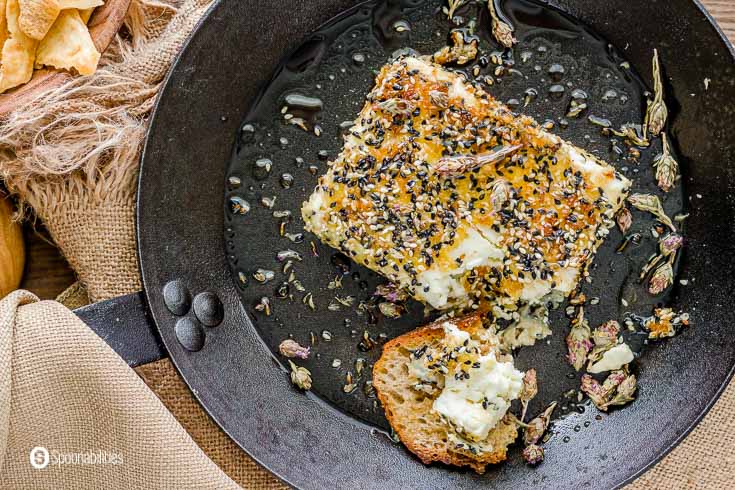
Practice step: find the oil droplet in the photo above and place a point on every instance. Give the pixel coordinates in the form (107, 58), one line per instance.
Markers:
(556, 91)
(323, 155)
(336, 363)
(609, 95)
(341, 262)
(587, 423)
(283, 141)
(513, 103)
(526, 56)
(247, 133)
(243, 280)
(529, 96)
(282, 291)
(358, 58)
(566, 439)
(577, 428)
(304, 102)
(401, 26)
(262, 168)
(556, 72)
(234, 182)
(286, 181)
(327, 335)
(299, 162)
(238, 205)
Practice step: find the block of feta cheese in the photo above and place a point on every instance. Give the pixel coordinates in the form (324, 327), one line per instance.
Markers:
(443, 190)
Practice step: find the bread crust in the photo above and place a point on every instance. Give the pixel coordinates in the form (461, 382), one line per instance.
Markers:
(409, 412)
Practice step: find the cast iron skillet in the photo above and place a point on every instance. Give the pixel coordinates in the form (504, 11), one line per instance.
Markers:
(305, 441)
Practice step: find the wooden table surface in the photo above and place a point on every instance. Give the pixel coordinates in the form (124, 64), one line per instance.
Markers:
(47, 273)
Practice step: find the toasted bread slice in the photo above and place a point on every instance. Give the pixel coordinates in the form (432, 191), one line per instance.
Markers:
(409, 411)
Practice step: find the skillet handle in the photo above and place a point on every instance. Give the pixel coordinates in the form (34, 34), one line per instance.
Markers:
(124, 323)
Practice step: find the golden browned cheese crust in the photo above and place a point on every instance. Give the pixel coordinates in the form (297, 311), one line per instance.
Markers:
(510, 232)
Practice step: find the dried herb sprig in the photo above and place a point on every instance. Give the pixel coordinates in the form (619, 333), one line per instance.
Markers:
(535, 429)
(456, 165)
(667, 168)
(656, 111)
(651, 204)
(450, 9)
(624, 219)
(579, 343)
(502, 31)
(529, 390)
(629, 132)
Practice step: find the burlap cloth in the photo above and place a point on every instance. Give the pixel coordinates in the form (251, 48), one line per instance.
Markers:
(72, 159)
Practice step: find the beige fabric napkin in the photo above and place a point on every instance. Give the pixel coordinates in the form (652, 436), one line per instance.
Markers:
(89, 420)
(81, 182)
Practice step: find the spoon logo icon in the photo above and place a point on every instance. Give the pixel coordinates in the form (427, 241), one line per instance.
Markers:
(39, 457)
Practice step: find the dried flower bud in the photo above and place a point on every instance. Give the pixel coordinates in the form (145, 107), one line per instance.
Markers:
(670, 244)
(578, 341)
(651, 204)
(606, 334)
(625, 392)
(535, 429)
(533, 454)
(624, 218)
(300, 376)
(500, 194)
(661, 279)
(530, 386)
(594, 390)
(618, 389)
(502, 31)
(291, 348)
(390, 310)
(456, 165)
(656, 113)
(391, 292)
(667, 168)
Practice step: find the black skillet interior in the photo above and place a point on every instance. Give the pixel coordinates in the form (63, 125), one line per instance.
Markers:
(308, 442)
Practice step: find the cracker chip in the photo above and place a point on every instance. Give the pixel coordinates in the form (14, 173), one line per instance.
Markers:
(68, 45)
(79, 4)
(3, 27)
(86, 14)
(37, 16)
(18, 51)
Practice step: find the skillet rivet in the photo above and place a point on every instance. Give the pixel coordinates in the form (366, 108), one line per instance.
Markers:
(189, 334)
(208, 309)
(176, 298)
